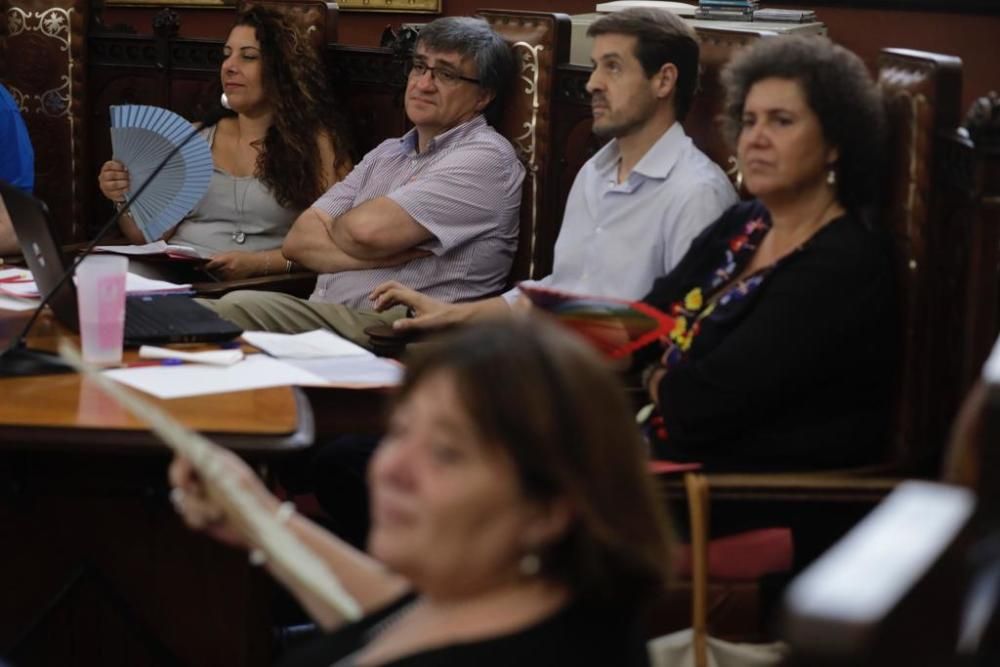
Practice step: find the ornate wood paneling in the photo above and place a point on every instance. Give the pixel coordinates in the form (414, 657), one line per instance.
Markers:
(46, 73)
(370, 83)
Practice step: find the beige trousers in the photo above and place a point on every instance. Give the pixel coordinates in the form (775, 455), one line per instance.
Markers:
(283, 313)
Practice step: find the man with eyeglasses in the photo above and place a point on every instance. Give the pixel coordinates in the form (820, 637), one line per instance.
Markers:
(436, 208)
(636, 205)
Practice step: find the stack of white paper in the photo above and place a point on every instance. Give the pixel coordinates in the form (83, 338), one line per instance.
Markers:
(315, 359)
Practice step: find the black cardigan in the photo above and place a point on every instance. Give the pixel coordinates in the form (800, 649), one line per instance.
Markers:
(798, 374)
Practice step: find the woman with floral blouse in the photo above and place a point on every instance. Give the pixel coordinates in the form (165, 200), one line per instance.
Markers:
(782, 353)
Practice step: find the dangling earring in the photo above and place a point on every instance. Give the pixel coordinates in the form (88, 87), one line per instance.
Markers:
(735, 172)
(224, 101)
(831, 177)
(530, 564)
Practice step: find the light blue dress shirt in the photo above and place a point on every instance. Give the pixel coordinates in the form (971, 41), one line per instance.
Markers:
(616, 238)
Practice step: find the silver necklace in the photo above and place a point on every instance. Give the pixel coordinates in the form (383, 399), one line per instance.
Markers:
(240, 206)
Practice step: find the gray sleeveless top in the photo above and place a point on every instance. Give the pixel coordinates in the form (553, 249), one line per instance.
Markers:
(234, 208)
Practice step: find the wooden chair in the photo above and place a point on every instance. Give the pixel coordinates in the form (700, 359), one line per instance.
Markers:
(922, 623)
(922, 92)
(540, 42)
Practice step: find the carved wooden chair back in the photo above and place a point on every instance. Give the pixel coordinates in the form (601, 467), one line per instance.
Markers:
(540, 42)
(923, 95)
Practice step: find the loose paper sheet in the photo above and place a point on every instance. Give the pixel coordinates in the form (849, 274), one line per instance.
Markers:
(12, 277)
(15, 303)
(353, 372)
(255, 372)
(317, 344)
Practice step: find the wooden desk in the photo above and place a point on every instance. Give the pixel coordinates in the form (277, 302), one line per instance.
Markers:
(96, 568)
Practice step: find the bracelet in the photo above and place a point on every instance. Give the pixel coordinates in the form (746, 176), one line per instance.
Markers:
(288, 266)
(267, 264)
(282, 515)
(119, 205)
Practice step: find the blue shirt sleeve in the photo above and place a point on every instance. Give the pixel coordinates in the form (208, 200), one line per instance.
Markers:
(17, 160)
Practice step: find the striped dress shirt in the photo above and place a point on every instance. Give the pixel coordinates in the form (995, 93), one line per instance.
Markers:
(465, 189)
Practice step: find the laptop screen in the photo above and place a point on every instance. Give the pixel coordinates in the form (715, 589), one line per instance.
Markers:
(30, 218)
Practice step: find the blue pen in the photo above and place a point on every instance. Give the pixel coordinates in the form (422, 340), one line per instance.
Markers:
(154, 362)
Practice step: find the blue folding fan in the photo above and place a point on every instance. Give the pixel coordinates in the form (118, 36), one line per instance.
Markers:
(141, 138)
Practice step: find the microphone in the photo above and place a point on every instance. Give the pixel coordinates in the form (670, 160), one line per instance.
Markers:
(18, 359)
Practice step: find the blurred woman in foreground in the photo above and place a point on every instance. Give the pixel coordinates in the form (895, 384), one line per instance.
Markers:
(513, 519)
(782, 354)
(274, 155)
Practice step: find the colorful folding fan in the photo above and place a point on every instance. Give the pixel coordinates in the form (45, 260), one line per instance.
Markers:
(615, 326)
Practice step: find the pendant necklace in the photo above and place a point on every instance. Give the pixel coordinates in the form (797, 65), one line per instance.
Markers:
(240, 206)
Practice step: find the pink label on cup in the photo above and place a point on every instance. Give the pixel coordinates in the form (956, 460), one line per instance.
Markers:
(110, 310)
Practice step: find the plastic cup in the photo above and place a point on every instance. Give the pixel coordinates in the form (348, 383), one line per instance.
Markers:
(100, 289)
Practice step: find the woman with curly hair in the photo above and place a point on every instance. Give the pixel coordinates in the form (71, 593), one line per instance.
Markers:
(782, 354)
(276, 151)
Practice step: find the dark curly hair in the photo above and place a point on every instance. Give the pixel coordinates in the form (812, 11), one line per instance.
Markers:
(289, 162)
(840, 92)
(542, 396)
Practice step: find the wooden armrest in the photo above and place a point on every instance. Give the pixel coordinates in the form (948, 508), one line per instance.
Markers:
(296, 284)
(861, 485)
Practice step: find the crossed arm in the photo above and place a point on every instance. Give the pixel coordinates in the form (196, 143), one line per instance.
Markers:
(376, 233)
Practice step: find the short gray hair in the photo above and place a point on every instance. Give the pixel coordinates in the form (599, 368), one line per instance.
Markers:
(473, 38)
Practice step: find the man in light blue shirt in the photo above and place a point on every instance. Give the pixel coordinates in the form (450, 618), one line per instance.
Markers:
(637, 204)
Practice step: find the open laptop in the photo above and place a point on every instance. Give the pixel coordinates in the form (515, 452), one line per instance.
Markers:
(151, 319)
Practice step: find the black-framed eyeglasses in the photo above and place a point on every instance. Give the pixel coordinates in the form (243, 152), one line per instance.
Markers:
(444, 75)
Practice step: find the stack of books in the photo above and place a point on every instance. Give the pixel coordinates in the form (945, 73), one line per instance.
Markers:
(726, 10)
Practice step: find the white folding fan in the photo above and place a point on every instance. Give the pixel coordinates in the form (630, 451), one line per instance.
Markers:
(141, 138)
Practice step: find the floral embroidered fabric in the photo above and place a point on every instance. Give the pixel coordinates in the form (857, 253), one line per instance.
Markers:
(705, 301)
